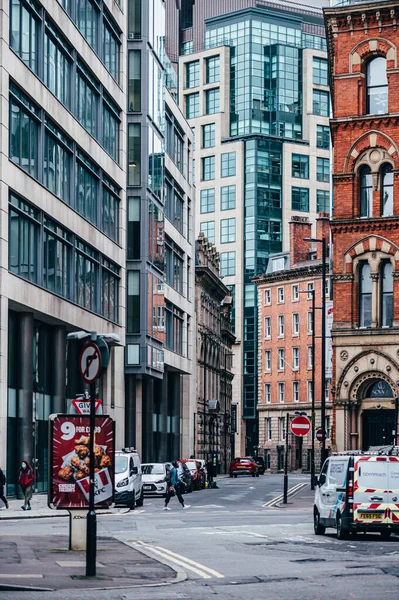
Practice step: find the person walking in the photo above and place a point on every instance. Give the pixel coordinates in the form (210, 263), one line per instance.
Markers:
(174, 486)
(2, 485)
(25, 480)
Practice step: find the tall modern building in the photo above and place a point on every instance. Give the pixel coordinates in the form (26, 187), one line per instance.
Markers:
(62, 252)
(254, 88)
(160, 324)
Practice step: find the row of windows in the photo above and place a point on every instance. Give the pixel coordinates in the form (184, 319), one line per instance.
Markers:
(54, 258)
(294, 290)
(64, 73)
(281, 420)
(227, 230)
(212, 103)
(300, 200)
(294, 364)
(212, 72)
(42, 150)
(227, 199)
(300, 167)
(227, 166)
(281, 325)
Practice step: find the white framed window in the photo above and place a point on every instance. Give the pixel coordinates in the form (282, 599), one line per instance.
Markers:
(327, 288)
(268, 393)
(268, 429)
(295, 358)
(281, 359)
(295, 324)
(295, 293)
(280, 294)
(295, 391)
(310, 322)
(268, 328)
(310, 391)
(281, 325)
(268, 297)
(327, 390)
(310, 289)
(310, 357)
(327, 427)
(268, 360)
(282, 428)
(281, 392)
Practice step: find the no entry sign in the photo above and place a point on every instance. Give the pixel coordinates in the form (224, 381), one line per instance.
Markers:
(300, 426)
(319, 434)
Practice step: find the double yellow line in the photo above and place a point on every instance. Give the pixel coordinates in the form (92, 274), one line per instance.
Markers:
(280, 498)
(177, 559)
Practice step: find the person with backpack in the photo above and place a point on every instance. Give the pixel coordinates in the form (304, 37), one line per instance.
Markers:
(25, 480)
(173, 486)
(2, 486)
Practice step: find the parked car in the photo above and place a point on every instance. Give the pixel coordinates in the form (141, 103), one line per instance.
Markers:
(154, 479)
(196, 473)
(185, 474)
(202, 466)
(358, 492)
(128, 479)
(261, 464)
(244, 465)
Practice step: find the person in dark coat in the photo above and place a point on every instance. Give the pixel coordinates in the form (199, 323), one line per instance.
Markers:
(2, 486)
(174, 486)
(25, 480)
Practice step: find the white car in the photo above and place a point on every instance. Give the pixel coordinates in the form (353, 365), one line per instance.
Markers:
(128, 478)
(154, 478)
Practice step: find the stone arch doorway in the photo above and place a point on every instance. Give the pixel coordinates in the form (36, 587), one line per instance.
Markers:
(377, 416)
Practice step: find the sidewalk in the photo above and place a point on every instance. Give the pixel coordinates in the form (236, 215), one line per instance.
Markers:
(45, 563)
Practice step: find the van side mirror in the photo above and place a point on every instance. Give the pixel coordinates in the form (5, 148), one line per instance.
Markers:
(315, 481)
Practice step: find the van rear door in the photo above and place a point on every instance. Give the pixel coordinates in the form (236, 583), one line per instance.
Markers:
(371, 486)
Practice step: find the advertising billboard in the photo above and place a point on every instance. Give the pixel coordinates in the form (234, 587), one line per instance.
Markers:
(69, 464)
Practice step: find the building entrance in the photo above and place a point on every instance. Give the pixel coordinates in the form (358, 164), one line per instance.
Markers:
(377, 426)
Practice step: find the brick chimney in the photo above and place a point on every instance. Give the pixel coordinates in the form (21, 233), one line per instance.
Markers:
(323, 231)
(300, 228)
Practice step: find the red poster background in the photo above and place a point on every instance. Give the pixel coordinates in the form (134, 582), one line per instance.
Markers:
(69, 463)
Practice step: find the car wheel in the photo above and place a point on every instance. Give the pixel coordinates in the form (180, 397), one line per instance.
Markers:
(140, 501)
(342, 534)
(318, 528)
(131, 502)
(231, 474)
(386, 534)
(235, 476)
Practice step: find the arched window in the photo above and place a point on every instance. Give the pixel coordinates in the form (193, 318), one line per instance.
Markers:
(386, 294)
(366, 192)
(377, 86)
(365, 290)
(386, 190)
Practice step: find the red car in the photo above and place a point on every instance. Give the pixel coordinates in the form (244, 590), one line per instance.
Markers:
(245, 465)
(196, 473)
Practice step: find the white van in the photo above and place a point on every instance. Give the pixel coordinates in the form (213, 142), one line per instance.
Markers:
(358, 492)
(128, 478)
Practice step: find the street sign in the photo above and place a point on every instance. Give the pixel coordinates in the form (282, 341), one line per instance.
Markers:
(300, 426)
(319, 434)
(90, 362)
(82, 407)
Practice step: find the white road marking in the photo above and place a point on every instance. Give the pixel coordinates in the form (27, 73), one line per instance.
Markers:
(192, 562)
(21, 576)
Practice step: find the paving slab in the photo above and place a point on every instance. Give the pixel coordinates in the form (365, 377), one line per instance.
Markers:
(33, 562)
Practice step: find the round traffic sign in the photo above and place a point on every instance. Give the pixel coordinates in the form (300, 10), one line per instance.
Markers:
(319, 434)
(90, 362)
(300, 425)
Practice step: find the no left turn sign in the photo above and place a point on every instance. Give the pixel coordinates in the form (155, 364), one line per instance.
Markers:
(90, 362)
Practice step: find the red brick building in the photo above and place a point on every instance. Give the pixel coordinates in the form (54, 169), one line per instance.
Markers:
(285, 345)
(363, 41)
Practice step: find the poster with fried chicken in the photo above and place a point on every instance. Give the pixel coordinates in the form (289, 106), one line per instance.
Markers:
(70, 462)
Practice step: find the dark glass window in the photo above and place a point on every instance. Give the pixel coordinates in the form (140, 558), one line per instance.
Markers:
(110, 209)
(57, 263)
(24, 31)
(366, 192)
(57, 162)
(227, 231)
(386, 190)
(192, 74)
(174, 265)
(212, 101)
(208, 229)
(24, 234)
(174, 328)
(213, 69)
(320, 71)
(365, 292)
(207, 200)
(208, 168)
(111, 48)
(87, 188)
(228, 164)
(174, 205)
(323, 170)
(386, 294)
(57, 64)
(134, 153)
(87, 18)
(156, 246)
(321, 103)
(134, 19)
(323, 137)
(111, 128)
(208, 135)
(227, 264)
(134, 102)
(133, 229)
(228, 197)
(300, 166)
(87, 277)
(87, 99)
(300, 199)
(133, 302)
(109, 290)
(24, 132)
(323, 201)
(377, 86)
(192, 105)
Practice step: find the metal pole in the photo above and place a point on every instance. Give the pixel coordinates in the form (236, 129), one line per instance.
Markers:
(91, 539)
(286, 461)
(312, 462)
(204, 427)
(225, 412)
(396, 421)
(323, 350)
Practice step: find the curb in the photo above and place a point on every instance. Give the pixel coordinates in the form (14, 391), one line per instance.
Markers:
(54, 514)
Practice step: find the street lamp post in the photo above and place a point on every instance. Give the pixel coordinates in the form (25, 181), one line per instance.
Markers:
(225, 408)
(323, 341)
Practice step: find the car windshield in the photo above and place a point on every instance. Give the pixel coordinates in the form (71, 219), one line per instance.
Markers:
(120, 464)
(244, 460)
(157, 469)
(191, 465)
